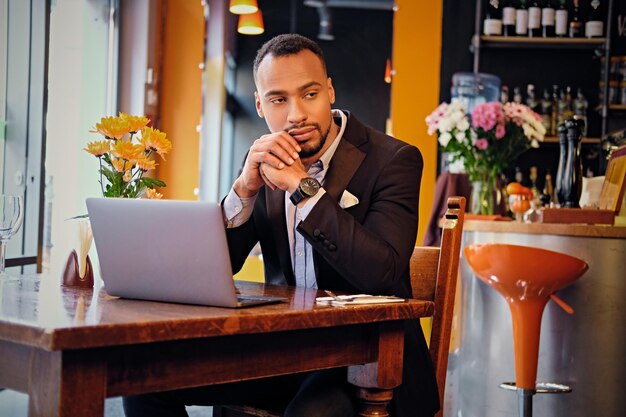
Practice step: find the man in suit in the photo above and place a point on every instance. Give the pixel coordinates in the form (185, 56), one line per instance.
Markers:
(334, 205)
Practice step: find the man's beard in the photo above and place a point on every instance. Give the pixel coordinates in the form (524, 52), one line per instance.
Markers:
(306, 153)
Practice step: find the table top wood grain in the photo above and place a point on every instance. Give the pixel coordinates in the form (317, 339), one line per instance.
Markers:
(36, 311)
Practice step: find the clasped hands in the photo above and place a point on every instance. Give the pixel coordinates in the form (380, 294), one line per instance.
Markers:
(273, 160)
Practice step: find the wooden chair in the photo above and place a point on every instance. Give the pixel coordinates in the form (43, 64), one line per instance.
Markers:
(434, 273)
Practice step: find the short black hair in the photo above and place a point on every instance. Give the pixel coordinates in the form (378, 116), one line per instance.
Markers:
(285, 45)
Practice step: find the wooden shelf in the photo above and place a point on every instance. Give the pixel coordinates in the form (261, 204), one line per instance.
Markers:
(554, 139)
(526, 42)
(619, 107)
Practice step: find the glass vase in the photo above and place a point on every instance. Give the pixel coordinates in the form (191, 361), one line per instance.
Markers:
(484, 196)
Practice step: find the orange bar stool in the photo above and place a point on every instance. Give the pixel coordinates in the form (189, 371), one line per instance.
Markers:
(526, 277)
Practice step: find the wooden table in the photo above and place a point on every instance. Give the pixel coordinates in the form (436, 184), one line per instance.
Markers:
(69, 349)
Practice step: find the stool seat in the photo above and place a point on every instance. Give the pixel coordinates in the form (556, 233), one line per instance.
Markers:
(526, 277)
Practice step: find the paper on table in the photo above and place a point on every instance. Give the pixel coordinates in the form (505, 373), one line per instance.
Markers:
(346, 300)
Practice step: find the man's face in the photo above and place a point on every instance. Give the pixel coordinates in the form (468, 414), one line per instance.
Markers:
(295, 95)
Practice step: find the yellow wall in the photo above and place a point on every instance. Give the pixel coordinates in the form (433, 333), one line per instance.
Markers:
(415, 87)
(181, 97)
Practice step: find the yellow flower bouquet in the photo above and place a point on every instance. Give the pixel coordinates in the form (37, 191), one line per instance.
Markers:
(124, 155)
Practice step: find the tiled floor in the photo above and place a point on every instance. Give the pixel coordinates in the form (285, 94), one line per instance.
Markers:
(15, 404)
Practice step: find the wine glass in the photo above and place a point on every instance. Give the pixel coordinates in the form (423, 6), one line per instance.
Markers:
(11, 216)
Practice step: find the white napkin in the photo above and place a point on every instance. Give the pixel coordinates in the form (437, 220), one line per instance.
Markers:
(85, 237)
(348, 200)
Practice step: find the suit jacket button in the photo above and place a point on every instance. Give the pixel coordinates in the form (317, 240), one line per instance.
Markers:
(326, 242)
(316, 232)
(332, 247)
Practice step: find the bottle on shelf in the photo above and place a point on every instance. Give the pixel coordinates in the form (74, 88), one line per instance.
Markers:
(547, 195)
(519, 175)
(565, 110)
(534, 19)
(594, 28)
(568, 103)
(517, 95)
(547, 19)
(555, 110)
(532, 176)
(521, 19)
(531, 99)
(561, 19)
(508, 18)
(492, 26)
(546, 111)
(580, 105)
(575, 23)
(504, 94)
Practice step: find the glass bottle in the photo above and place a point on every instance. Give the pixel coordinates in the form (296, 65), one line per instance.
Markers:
(521, 19)
(560, 28)
(531, 99)
(492, 25)
(555, 110)
(534, 19)
(508, 18)
(575, 24)
(547, 19)
(546, 111)
(594, 28)
(580, 105)
(504, 94)
(517, 95)
(547, 195)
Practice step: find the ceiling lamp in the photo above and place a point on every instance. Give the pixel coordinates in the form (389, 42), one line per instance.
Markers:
(243, 6)
(388, 72)
(251, 24)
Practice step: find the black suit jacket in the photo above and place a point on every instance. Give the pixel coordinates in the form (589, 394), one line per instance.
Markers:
(364, 248)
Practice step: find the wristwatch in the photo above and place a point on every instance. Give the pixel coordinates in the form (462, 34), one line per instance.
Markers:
(308, 187)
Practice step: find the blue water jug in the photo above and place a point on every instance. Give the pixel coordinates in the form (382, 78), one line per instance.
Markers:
(474, 88)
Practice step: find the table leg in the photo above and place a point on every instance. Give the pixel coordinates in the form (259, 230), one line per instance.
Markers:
(376, 380)
(63, 384)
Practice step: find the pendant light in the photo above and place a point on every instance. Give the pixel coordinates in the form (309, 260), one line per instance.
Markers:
(243, 6)
(251, 24)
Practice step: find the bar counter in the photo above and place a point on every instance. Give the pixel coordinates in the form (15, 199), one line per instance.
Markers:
(586, 350)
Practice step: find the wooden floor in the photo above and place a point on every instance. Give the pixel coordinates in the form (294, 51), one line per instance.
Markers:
(15, 404)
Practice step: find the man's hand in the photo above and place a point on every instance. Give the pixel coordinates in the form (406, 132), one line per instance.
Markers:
(277, 151)
(287, 178)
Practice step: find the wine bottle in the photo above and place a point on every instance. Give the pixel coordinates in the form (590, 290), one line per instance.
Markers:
(547, 20)
(548, 190)
(521, 19)
(580, 105)
(504, 94)
(534, 19)
(508, 18)
(575, 24)
(546, 111)
(531, 99)
(594, 28)
(493, 20)
(517, 95)
(560, 28)
(555, 110)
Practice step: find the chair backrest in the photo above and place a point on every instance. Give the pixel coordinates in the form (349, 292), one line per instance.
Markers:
(434, 273)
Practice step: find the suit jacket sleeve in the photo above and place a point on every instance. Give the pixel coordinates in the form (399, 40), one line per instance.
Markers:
(373, 254)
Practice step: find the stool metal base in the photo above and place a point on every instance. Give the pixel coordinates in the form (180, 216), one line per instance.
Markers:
(541, 387)
(525, 396)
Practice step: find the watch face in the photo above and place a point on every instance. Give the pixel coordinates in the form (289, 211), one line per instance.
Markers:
(309, 186)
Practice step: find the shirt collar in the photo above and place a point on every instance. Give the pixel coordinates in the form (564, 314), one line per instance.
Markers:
(328, 155)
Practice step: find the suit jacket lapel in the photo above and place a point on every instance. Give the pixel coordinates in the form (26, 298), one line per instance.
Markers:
(275, 202)
(347, 158)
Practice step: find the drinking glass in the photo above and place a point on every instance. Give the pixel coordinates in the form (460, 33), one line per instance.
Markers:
(11, 216)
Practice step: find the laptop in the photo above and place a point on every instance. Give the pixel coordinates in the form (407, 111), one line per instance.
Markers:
(166, 250)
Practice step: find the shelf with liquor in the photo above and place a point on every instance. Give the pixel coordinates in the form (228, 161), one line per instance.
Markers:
(564, 50)
(492, 41)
